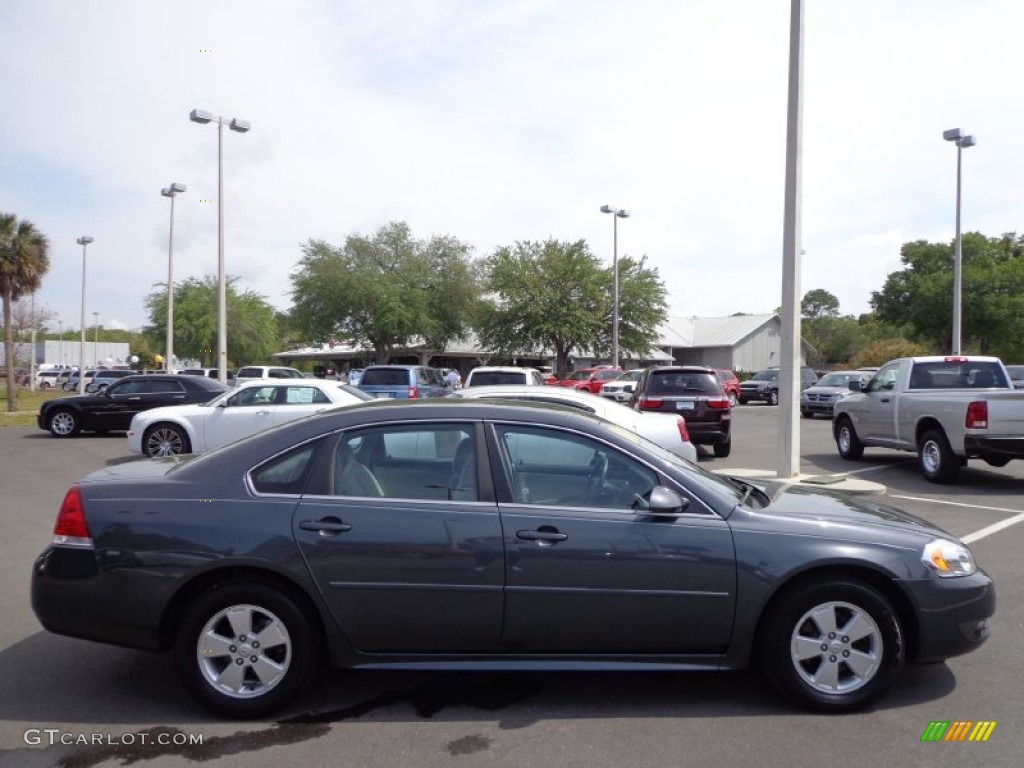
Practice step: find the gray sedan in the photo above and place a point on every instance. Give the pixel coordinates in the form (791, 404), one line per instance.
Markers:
(456, 534)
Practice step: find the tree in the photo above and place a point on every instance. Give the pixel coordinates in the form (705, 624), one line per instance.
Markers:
(556, 296)
(24, 259)
(387, 291)
(819, 303)
(251, 322)
(919, 298)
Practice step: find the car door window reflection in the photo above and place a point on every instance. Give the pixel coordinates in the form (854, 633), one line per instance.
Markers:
(551, 467)
(253, 396)
(399, 462)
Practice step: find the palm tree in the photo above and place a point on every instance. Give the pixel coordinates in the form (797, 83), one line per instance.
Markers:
(24, 259)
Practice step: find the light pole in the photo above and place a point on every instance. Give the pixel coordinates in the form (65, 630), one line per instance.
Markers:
(84, 242)
(170, 192)
(60, 342)
(241, 126)
(961, 141)
(95, 339)
(618, 214)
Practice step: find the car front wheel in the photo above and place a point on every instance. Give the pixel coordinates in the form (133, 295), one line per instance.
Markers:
(773, 397)
(165, 440)
(63, 423)
(245, 649)
(832, 647)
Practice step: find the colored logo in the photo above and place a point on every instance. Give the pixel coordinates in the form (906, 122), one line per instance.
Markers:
(958, 730)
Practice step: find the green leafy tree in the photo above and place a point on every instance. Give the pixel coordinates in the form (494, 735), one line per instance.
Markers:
(24, 260)
(556, 296)
(386, 291)
(251, 322)
(819, 303)
(919, 298)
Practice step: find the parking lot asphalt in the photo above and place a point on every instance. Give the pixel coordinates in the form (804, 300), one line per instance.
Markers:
(58, 692)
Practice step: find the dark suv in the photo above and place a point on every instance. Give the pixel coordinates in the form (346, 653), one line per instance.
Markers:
(764, 385)
(693, 392)
(403, 381)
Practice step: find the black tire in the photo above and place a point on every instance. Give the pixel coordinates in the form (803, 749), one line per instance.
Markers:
(743, 401)
(63, 422)
(935, 458)
(165, 440)
(809, 653)
(208, 645)
(806, 414)
(44, 385)
(723, 449)
(849, 445)
(773, 397)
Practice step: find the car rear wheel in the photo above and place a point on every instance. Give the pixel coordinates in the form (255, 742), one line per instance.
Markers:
(165, 440)
(722, 450)
(733, 399)
(849, 445)
(63, 423)
(245, 649)
(832, 647)
(935, 457)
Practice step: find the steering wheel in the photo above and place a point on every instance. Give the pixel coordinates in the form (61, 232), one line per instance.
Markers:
(598, 473)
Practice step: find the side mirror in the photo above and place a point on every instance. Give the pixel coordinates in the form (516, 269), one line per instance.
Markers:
(856, 385)
(665, 501)
(629, 388)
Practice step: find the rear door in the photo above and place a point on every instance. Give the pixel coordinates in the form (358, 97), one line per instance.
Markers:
(408, 561)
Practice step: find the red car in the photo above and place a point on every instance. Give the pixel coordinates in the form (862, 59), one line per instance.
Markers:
(730, 385)
(590, 379)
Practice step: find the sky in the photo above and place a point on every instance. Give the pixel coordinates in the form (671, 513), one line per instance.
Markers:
(503, 121)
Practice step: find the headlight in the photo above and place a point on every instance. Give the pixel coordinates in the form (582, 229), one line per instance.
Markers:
(947, 558)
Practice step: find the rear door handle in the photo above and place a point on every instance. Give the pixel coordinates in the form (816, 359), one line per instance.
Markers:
(327, 526)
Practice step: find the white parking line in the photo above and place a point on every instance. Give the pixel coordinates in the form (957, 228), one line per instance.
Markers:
(988, 530)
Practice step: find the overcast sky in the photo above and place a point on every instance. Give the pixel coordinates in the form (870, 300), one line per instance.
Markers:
(503, 120)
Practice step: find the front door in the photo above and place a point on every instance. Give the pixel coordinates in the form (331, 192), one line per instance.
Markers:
(588, 571)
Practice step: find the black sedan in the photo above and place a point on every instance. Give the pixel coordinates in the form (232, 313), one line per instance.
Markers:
(471, 534)
(112, 409)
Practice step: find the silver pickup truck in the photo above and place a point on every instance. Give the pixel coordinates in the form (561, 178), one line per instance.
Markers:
(945, 409)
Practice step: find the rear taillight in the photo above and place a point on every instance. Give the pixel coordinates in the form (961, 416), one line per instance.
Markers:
(70, 529)
(977, 415)
(647, 403)
(719, 403)
(683, 433)
(413, 393)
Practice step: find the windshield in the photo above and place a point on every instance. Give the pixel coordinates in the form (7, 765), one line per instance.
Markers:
(837, 379)
(766, 376)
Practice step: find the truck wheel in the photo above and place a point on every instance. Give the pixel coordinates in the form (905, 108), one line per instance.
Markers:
(849, 445)
(773, 397)
(723, 449)
(935, 458)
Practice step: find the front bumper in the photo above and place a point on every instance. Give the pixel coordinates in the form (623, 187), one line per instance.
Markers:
(953, 614)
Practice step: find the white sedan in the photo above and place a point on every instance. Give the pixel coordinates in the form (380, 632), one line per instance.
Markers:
(667, 429)
(250, 407)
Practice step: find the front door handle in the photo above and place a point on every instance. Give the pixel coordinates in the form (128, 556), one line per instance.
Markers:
(328, 526)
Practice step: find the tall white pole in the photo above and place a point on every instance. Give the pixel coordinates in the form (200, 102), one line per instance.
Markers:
(222, 301)
(789, 363)
(81, 349)
(615, 289)
(170, 292)
(957, 264)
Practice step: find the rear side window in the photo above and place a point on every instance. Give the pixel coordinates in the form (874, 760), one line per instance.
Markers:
(385, 377)
(251, 373)
(285, 474)
(488, 378)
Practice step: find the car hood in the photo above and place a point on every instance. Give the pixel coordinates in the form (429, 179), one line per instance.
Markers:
(181, 411)
(817, 389)
(821, 507)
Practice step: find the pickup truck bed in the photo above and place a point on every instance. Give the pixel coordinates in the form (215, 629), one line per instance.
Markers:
(945, 409)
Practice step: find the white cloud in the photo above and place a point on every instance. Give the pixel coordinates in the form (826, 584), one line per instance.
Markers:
(503, 121)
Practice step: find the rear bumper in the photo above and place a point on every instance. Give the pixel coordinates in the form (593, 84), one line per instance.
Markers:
(1011, 446)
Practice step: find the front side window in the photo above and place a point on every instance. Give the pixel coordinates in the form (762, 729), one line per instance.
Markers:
(555, 468)
(885, 379)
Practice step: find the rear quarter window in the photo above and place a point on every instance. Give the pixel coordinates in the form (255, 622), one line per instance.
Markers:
(385, 377)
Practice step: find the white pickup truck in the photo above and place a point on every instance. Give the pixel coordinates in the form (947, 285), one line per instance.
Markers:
(945, 409)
